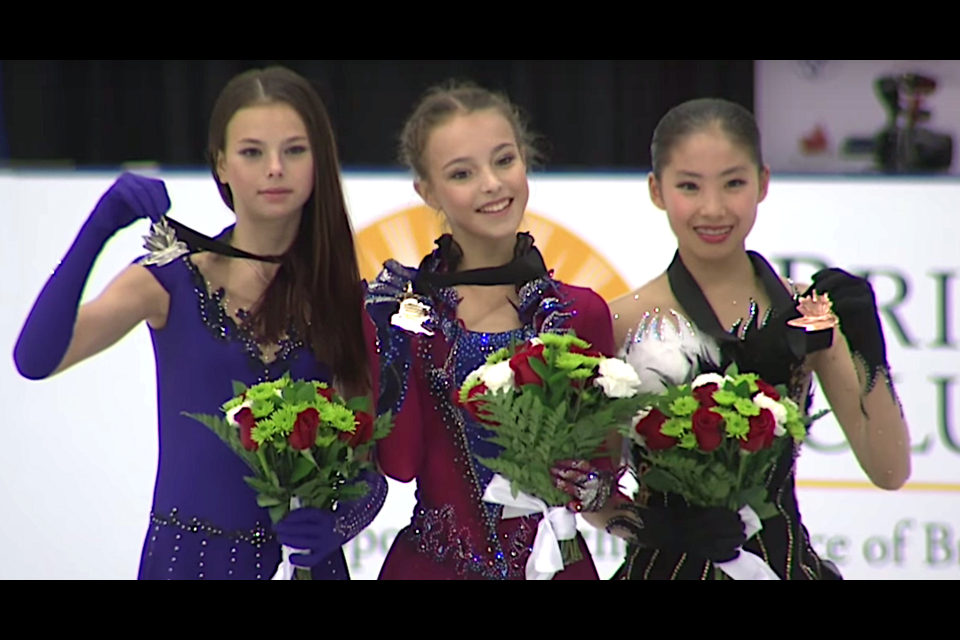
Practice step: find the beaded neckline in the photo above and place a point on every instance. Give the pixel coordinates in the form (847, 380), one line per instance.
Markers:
(213, 310)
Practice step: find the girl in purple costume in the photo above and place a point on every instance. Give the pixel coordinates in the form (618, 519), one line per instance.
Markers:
(277, 292)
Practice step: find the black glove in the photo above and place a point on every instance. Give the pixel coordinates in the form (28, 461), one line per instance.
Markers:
(714, 533)
(855, 306)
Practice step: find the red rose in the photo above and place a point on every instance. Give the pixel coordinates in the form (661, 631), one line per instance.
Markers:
(768, 390)
(649, 428)
(326, 393)
(247, 422)
(473, 404)
(704, 395)
(761, 432)
(523, 373)
(707, 427)
(363, 432)
(304, 433)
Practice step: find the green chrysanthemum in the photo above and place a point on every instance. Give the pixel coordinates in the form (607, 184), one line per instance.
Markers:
(580, 374)
(571, 361)
(263, 408)
(750, 379)
(676, 427)
(232, 403)
(498, 356)
(562, 341)
(285, 417)
(684, 407)
(266, 430)
(338, 417)
(262, 392)
(797, 430)
(746, 407)
(688, 441)
(793, 411)
(735, 425)
(725, 398)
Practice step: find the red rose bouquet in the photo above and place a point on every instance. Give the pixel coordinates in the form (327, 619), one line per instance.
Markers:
(547, 400)
(304, 443)
(714, 441)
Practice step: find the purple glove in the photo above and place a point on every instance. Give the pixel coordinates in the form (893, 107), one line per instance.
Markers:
(322, 532)
(127, 200)
(46, 335)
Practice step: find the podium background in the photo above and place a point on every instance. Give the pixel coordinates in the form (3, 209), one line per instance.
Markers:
(78, 457)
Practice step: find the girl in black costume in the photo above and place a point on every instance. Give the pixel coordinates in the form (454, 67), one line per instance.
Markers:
(717, 304)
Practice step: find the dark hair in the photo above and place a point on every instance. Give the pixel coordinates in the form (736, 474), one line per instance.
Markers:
(441, 103)
(318, 285)
(695, 116)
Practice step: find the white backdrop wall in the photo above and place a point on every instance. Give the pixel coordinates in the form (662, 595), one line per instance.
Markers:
(79, 451)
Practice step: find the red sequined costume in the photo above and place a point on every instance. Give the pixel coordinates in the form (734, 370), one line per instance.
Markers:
(453, 534)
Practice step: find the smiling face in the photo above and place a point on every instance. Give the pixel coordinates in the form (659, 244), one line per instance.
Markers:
(267, 162)
(710, 189)
(476, 175)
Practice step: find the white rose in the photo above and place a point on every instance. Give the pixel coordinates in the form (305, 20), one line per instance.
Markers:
(778, 410)
(708, 378)
(617, 378)
(232, 413)
(636, 437)
(476, 374)
(498, 377)
(643, 413)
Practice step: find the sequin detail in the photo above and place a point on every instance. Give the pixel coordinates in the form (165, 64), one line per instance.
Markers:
(381, 302)
(256, 537)
(359, 518)
(436, 533)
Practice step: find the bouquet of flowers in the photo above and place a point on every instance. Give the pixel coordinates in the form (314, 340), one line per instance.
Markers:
(714, 441)
(304, 443)
(547, 400)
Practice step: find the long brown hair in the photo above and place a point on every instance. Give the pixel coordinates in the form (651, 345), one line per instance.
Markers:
(318, 284)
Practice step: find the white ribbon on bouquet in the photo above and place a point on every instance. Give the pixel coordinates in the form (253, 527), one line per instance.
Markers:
(558, 524)
(286, 568)
(748, 565)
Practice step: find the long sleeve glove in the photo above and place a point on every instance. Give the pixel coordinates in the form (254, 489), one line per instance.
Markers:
(48, 330)
(855, 306)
